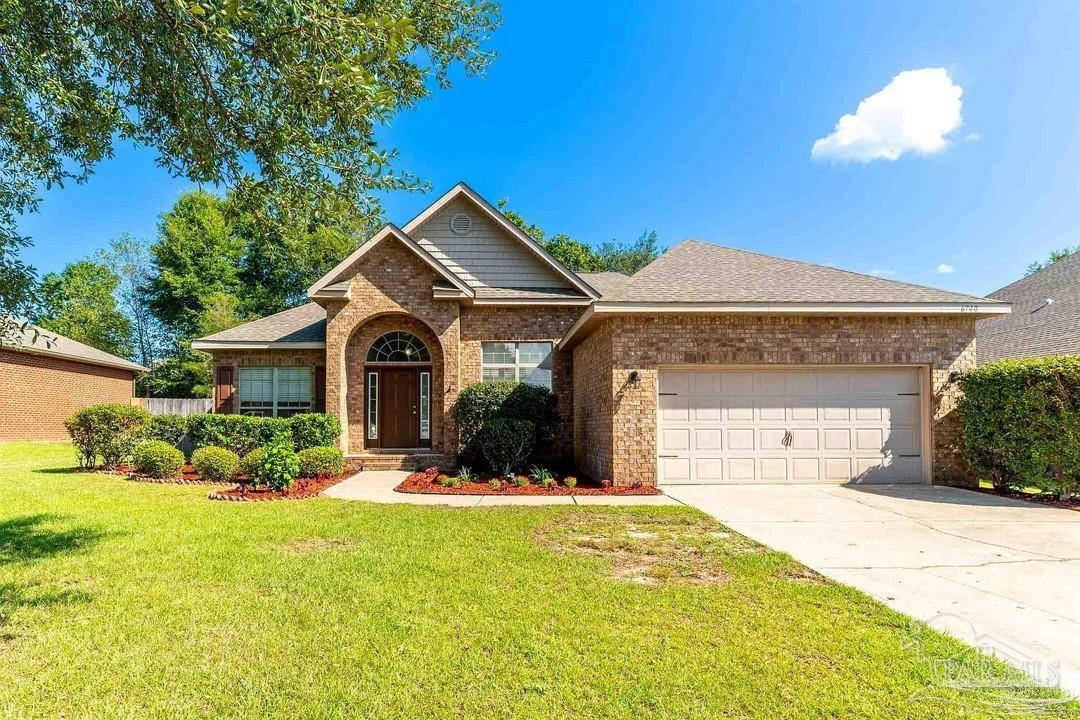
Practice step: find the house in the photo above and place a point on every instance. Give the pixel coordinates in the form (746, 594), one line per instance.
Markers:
(709, 365)
(1045, 319)
(46, 377)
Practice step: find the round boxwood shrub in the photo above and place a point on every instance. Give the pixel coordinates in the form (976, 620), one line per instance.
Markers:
(321, 462)
(506, 444)
(483, 402)
(215, 464)
(251, 464)
(158, 459)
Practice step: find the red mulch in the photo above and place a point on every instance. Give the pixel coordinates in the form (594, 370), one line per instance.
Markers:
(188, 477)
(301, 488)
(1052, 500)
(423, 482)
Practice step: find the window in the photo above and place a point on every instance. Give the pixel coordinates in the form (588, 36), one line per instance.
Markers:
(425, 406)
(398, 347)
(528, 362)
(275, 392)
(372, 405)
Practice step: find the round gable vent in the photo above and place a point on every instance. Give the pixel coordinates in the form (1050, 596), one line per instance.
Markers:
(460, 223)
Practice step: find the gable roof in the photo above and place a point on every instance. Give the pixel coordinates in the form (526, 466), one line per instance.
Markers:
(463, 190)
(38, 341)
(298, 327)
(333, 277)
(1035, 327)
(698, 272)
(604, 282)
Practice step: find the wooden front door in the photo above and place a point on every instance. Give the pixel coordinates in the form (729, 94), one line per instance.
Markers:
(399, 403)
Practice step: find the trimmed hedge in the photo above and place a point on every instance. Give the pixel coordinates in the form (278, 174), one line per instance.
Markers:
(158, 459)
(215, 464)
(242, 434)
(506, 443)
(479, 404)
(1021, 423)
(106, 431)
(168, 428)
(321, 462)
(252, 463)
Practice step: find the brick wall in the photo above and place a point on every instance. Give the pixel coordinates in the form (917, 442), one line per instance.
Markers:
(39, 392)
(642, 343)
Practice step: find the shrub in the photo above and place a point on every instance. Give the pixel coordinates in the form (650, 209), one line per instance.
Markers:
(466, 475)
(158, 459)
(280, 464)
(251, 465)
(314, 430)
(321, 462)
(481, 403)
(106, 431)
(495, 484)
(1021, 423)
(519, 480)
(448, 480)
(570, 481)
(167, 428)
(505, 444)
(542, 475)
(215, 464)
(239, 433)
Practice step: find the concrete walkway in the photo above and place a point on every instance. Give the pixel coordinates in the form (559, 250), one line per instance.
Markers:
(378, 486)
(1002, 575)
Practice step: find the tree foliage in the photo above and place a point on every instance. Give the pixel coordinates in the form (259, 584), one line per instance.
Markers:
(1055, 256)
(611, 256)
(80, 303)
(278, 100)
(130, 260)
(185, 375)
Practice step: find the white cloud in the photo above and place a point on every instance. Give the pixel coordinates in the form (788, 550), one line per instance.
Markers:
(945, 269)
(881, 273)
(913, 113)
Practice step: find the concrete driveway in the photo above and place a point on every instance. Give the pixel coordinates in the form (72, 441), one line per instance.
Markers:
(1003, 575)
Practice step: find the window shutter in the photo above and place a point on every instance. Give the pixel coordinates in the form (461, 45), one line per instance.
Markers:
(223, 390)
(320, 388)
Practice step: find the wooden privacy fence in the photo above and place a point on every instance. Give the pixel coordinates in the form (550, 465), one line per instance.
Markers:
(174, 406)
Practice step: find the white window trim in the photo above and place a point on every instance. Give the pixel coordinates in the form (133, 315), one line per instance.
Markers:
(273, 402)
(372, 406)
(517, 365)
(425, 405)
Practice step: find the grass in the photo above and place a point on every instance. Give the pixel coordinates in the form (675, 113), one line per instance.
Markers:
(129, 600)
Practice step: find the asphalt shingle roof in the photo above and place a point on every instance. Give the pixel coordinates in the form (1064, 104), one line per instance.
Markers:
(700, 272)
(1035, 328)
(306, 323)
(604, 282)
(46, 342)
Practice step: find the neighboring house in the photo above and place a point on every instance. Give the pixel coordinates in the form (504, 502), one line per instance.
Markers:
(47, 377)
(1045, 319)
(709, 365)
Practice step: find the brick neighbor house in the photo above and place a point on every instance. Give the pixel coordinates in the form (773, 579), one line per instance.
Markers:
(47, 377)
(711, 365)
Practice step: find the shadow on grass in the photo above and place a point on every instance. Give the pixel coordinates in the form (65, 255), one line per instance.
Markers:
(29, 537)
(61, 470)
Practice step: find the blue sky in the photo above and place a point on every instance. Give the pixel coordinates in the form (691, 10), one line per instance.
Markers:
(697, 119)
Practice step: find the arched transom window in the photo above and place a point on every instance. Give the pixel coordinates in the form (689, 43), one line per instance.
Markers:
(398, 346)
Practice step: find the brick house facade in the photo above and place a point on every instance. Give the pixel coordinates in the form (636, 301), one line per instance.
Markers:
(42, 385)
(464, 290)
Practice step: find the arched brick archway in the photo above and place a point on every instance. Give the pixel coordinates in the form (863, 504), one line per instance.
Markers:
(356, 351)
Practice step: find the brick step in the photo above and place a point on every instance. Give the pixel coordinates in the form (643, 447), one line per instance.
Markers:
(398, 461)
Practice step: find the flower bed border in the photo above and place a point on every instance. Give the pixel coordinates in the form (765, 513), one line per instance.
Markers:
(422, 482)
(188, 477)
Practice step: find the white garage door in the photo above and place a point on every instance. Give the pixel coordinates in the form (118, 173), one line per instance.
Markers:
(833, 425)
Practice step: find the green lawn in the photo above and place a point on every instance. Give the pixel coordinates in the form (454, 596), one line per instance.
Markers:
(130, 600)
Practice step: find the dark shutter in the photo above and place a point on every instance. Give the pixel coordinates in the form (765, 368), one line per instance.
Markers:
(320, 388)
(223, 391)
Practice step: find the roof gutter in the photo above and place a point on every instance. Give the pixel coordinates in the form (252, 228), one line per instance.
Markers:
(211, 345)
(119, 365)
(613, 309)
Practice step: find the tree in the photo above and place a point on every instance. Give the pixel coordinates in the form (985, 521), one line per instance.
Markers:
(131, 261)
(185, 375)
(80, 303)
(1055, 256)
(195, 256)
(612, 256)
(279, 101)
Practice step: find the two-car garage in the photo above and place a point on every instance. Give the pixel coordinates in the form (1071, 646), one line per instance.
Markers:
(792, 425)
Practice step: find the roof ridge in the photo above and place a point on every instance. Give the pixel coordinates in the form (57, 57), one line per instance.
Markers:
(260, 319)
(1064, 265)
(856, 273)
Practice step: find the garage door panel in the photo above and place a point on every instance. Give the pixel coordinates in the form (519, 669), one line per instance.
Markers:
(821, 425)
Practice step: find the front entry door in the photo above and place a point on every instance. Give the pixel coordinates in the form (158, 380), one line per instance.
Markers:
(399, 400)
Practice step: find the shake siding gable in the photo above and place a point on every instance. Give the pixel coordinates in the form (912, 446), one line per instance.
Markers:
(486, 256)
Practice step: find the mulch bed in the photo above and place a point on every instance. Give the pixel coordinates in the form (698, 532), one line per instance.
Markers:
(302, 488)
(423, 483)
(188, 477)
(1051, 500)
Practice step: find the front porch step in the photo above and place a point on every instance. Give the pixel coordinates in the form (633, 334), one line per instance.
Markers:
(398, 461)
